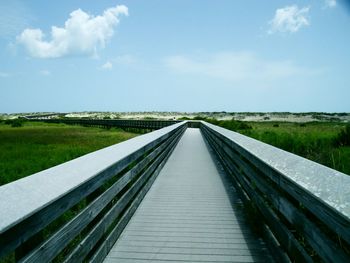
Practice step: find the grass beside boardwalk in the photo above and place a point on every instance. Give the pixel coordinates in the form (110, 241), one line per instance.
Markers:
(314, 141)
(323, 142)
(38, 146)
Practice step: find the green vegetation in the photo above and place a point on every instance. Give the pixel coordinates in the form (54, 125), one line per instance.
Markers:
(184, 118)
(149, 118)
(32, 147)
(232, 125)
(343, 138)
(327, 143)
(14, 122)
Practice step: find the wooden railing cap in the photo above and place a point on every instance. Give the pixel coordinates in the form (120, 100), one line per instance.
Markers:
(329, 185)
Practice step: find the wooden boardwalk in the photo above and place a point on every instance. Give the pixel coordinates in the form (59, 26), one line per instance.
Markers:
(190, 214)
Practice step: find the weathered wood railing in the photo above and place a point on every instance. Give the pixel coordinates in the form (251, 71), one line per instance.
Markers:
(75, 212)
(138, 124)
(90, 198)
(303, 207)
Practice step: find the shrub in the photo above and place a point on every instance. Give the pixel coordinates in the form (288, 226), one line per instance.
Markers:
(342, 114)
(14, 122)
(184, 118)
(17, 123)
(343, 138)
(199, 118)
(232, 125)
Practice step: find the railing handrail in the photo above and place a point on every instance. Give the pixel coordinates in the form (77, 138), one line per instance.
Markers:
(119, 123)
(116, 120)
(291, 192)
(328, 185)
(21, 198)
(302, 204)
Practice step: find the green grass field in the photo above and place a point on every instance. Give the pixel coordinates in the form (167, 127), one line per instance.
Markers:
(38, 146)
(317, 141)
(314, 141)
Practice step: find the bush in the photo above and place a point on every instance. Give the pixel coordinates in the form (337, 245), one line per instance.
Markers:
(17, 123)
(199, 118)
(343, 138)
(232, 125)
(14, 122)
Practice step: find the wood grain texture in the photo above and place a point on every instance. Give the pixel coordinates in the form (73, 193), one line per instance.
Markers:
(190, 214)
(51, 247)
(57, 189)
(89, 242)
(328, 214)
(271, 191)
(281, 232)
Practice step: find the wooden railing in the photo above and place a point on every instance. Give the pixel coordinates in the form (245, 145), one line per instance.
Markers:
(138, 124)
(301, 207)
(75, 211)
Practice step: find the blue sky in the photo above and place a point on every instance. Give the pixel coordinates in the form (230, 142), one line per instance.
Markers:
(106, 55)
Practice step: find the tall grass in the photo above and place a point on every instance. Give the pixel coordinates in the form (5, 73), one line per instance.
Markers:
(38, 146)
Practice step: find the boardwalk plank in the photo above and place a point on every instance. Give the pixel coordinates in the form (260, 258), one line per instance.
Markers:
(189, 215)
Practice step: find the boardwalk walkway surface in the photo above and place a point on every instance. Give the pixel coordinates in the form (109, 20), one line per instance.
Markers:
(190, 214)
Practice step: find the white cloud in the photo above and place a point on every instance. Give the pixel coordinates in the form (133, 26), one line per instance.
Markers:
(45, 72)
(82, 34)
(289, 19)
(235, 66)
(107, 66)
(330, 3)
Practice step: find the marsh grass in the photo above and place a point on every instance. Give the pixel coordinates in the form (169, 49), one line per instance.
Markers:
(315, 141)
(38, 146)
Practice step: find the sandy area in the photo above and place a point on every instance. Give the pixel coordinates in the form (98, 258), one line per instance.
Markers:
(247, 116)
